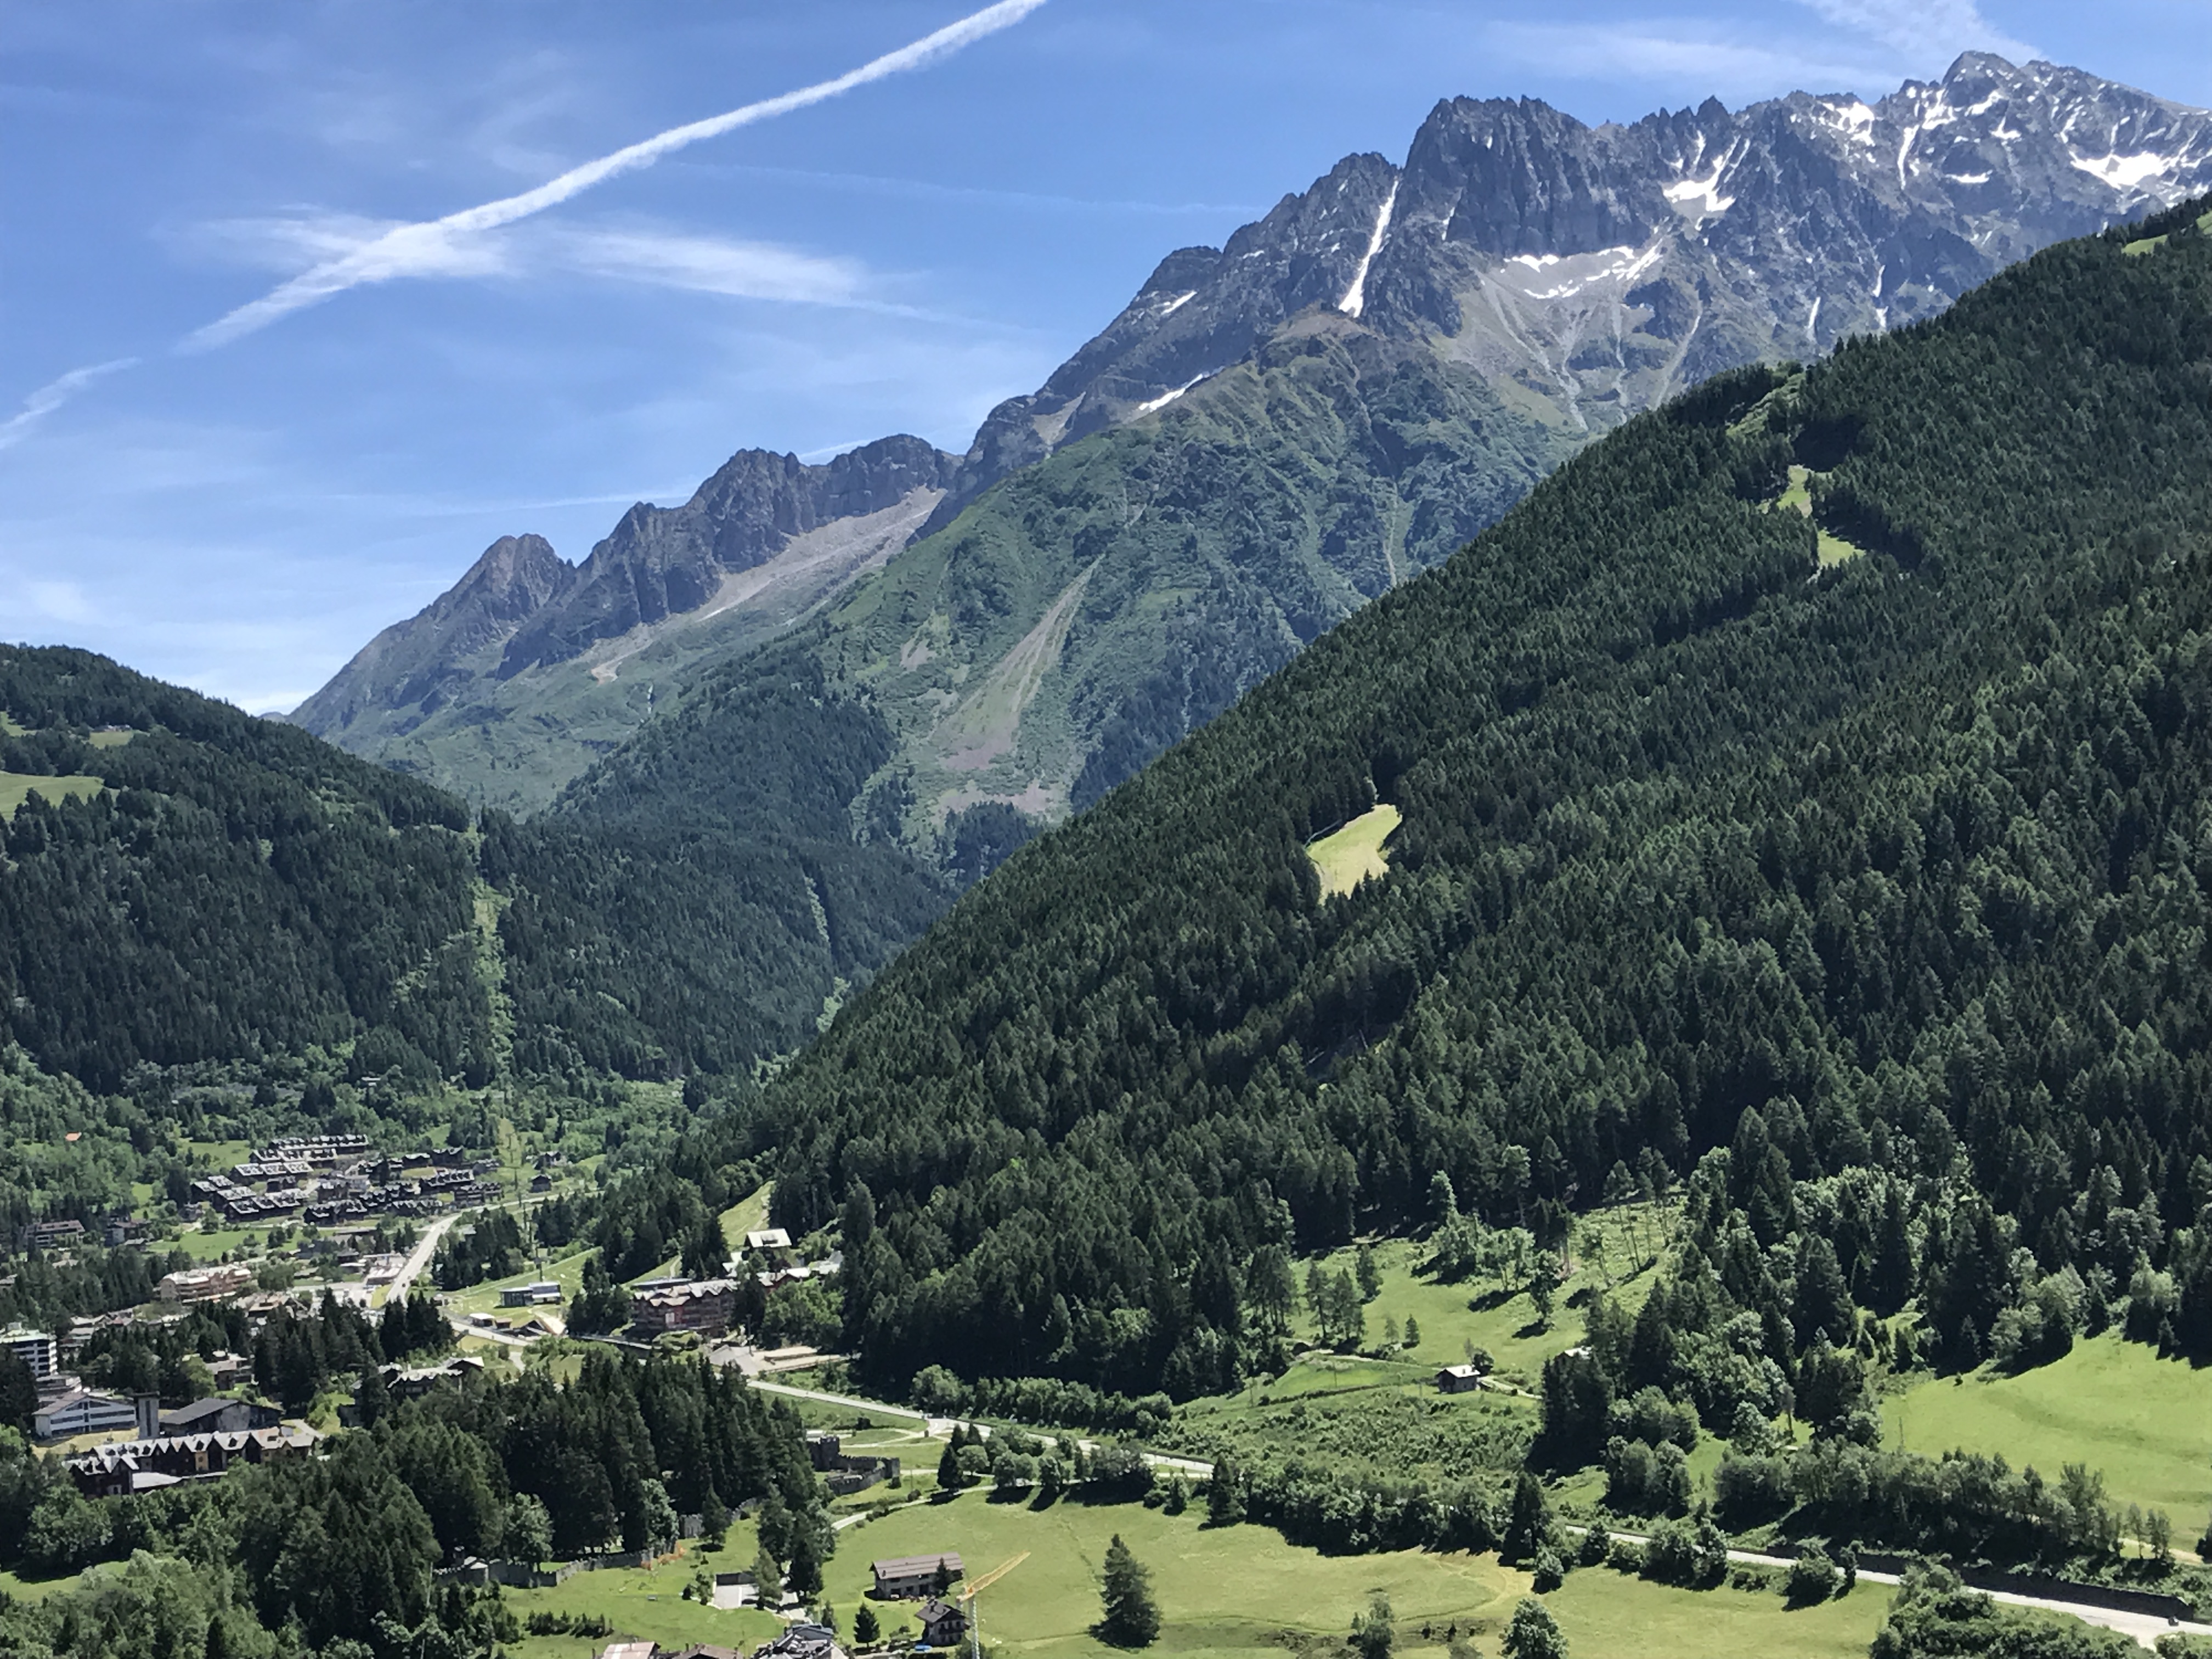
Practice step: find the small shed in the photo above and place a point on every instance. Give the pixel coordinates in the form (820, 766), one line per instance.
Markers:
(1458, 1379)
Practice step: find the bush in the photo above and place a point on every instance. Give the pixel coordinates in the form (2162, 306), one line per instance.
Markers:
(1812, 1577)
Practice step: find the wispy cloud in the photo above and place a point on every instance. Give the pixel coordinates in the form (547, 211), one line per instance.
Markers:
(1687, 60)
(1924, 29)
(638, 253)
(708, 264)
(51, 396)
(433, 246)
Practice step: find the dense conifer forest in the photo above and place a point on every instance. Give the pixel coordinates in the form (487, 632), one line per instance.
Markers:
(1870, 899)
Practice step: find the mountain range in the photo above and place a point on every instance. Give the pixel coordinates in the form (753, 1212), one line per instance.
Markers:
(1458, 323)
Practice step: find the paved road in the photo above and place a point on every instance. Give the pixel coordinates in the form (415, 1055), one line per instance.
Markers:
(418, 1258)
(2144, 1628)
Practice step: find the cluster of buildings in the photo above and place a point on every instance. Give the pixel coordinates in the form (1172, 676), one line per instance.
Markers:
(200, 1442)
(337, 1178)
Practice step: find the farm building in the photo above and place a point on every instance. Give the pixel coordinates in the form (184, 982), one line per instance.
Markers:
(1458, 1379)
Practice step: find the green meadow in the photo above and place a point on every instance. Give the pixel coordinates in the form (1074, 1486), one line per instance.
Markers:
(1348, 856)
(2114, 1406)
(1242, 1591)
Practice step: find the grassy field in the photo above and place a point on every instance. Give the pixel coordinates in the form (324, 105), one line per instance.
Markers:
(1242, 1590)
(748, 1215)
(1482, 1313)
(2115, 1406)
(16, 787)
(643, 1603)
(1606, 1616)
(204, 1246)
(1348, 856)
(567, 1272)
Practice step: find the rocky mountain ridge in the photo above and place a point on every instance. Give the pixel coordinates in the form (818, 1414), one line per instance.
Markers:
(1582, 273)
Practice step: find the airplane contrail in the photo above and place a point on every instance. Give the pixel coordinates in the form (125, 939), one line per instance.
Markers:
(51, 396)
(410, 248)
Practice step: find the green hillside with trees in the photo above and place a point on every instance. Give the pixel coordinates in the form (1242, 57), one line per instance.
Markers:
(1869, 902)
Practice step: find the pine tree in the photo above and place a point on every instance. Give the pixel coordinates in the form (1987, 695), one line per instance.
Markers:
(866, 1632)
(1224, 1495)
(1132, 1618)
(950, 1475)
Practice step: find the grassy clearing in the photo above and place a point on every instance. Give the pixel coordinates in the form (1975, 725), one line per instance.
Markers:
(202, 1245)
(12, 1584)
(643, 1603)
(2146, 244)
(2115, 1406)
(1487, 1315)
(1604, 1614)
(1242, 1590)
(748, 1215)
(16, 788)
(567, 1272)
(110, 739)
(1798, 497)
(1348, 856)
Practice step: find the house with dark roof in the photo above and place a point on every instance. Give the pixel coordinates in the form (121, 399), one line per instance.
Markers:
(906, 1578)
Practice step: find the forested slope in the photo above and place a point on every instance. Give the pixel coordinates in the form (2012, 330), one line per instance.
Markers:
(1899, 869)
(184, 885)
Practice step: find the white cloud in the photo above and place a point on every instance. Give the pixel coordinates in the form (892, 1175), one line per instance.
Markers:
(1926, 30)
(434, 246)
(706, 265)
(51, 396)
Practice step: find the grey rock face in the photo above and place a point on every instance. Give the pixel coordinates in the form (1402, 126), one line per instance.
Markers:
(1587, 272)
(421, 661)
(1605, 268)
(661, 561)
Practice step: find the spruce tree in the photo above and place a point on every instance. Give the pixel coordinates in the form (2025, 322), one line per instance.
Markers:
(1132, 1618)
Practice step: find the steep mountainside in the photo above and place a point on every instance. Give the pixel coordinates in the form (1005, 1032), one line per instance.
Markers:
(1864, 843)
(1543, 278)
(508, 684)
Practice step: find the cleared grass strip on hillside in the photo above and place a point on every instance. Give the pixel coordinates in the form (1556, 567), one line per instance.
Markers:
(1348, 856)
(15, 788)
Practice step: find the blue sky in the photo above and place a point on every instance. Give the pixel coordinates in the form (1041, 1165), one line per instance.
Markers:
(241, 506)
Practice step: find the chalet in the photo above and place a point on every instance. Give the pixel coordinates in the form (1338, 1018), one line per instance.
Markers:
(1458, 1379)
(216, 1415)
(135, 1466)
(943, 1624)
(802, 1640)
(769, 1239)
(907, 1577)
(49, 1234)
